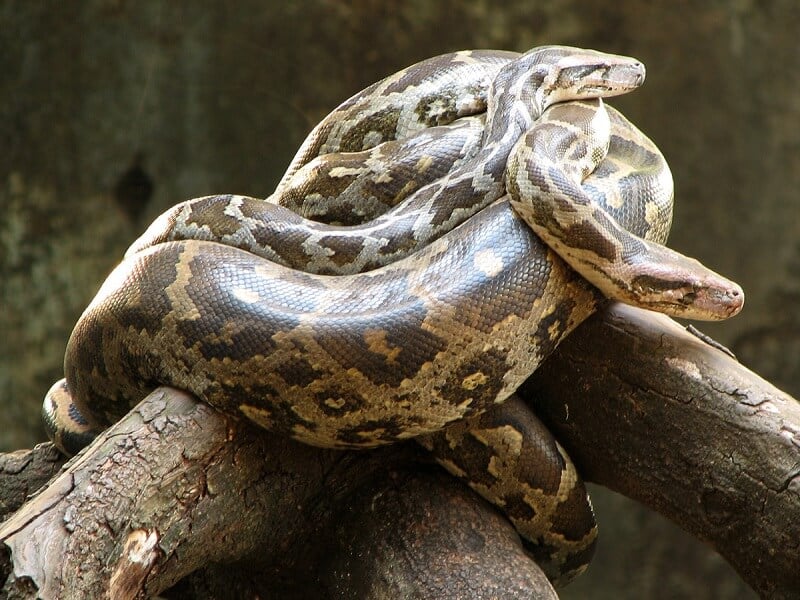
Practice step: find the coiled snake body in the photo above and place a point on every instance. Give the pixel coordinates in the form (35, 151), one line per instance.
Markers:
(417, 344)
(520, 91)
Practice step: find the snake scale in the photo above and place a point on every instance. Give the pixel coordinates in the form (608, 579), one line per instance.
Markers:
(430, 301)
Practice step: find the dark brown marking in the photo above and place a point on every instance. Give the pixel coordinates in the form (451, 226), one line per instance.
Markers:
(407, 344)
(420, 72)
(651, 283)
(517, 508)
(383, 430)
(383, 122)
(337, 402)
(430, 111)
(587, 236)
(210, 213)
(452, 195)
(490, 363)
(344, 250)
(401, 240)
(573, 519)
(551, 328)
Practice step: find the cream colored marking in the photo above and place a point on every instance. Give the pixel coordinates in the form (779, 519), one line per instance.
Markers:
(509, 440)
(260, 416)
(384, 177)
(234, 207)
(569, 477)
(463, 56)
(377, 343)
(488, 263)
(501, 437)
(245, 295)
(176, 291)
(651, 214)
(336, 403)
(609, 185)
(345, 171)
(424, 163)
(452, 468)
(470, 382)
(408, 188)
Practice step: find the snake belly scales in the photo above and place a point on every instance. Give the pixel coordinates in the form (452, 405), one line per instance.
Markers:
(262, 312)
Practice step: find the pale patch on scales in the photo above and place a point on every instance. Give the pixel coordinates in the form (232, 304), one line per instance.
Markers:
(471, 382)
(246, 295)
(377, 343)
(488, 262)
(260, 416)
(344, 171)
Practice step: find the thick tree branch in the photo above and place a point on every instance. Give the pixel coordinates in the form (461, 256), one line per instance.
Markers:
(644, 407)
(649, 410)
(23, 472)
(176, 487)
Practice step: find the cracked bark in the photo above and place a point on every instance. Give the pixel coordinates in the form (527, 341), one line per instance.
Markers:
(654, 413)
(178, 496)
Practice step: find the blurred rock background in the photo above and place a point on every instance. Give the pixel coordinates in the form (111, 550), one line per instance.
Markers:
(111, 111)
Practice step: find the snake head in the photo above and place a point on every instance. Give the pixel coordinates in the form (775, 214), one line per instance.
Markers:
(685, 288)
(575, 73)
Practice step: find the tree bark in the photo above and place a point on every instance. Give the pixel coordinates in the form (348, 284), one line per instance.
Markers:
(653, 412)
(176, 488)
(179, 496)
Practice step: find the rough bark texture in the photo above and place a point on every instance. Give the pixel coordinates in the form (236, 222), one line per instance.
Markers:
(655, 413)
(644, 407)
(176, 487)
(25, 471)
(113, 111)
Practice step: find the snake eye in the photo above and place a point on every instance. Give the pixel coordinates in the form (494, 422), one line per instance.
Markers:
(688, 298)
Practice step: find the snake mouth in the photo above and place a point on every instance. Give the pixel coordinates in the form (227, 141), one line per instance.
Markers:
(595, 89)
(607, 85)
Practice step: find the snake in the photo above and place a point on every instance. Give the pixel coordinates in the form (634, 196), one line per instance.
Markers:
(421, 347)
(349, 188)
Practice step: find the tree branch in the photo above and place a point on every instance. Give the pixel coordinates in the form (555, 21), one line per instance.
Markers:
(25, 471)
(651, 411)
(177, 487)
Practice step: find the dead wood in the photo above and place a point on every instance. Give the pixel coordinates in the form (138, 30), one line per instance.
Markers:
(177, 488)
(653, 412)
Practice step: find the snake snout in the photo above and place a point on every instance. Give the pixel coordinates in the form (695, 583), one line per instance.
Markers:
(640, 73)
(631, 73)
(717, 302)
(733, 301)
